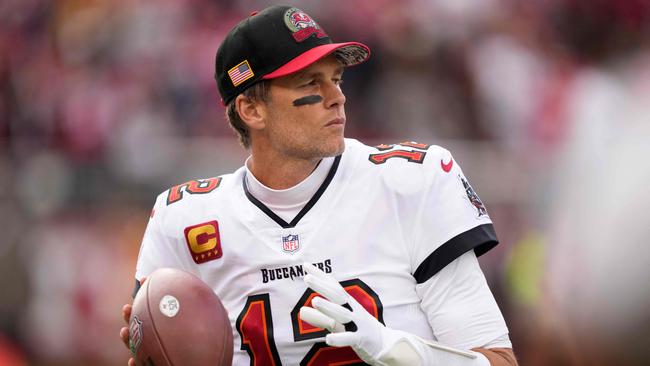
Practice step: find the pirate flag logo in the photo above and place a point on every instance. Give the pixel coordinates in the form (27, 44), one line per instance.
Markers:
(301, 25)
(473, 197)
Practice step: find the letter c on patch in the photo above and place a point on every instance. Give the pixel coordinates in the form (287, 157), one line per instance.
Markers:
(203, 241)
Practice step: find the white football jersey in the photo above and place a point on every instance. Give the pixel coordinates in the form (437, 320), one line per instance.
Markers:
(385, 219)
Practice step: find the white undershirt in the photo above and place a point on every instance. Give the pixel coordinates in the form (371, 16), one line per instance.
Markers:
(287, 203)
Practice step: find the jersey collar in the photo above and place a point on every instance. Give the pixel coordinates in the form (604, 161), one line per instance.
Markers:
(319, 192)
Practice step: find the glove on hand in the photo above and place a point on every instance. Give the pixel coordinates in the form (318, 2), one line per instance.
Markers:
(370, 341)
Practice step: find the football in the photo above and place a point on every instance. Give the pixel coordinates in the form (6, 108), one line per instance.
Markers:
(178, 320)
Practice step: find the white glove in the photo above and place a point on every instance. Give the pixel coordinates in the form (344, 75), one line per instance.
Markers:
(373, 342)
(370, 341)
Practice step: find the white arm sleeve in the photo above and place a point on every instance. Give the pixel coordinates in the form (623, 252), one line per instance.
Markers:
(461, 308)
(463, 315)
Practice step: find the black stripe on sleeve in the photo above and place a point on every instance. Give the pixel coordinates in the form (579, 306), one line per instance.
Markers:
(481, 238)
(136, 288)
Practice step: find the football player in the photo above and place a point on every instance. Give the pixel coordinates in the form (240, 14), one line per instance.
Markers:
(322, 249)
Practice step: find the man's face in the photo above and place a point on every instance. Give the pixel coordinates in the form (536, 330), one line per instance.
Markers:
(305, 112)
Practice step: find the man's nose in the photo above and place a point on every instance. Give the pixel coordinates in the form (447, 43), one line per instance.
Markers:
(334, 95)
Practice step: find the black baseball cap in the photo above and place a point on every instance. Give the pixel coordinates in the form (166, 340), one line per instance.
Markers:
(275, 42)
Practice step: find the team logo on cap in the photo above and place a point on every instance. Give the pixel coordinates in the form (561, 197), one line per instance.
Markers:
(302, 25)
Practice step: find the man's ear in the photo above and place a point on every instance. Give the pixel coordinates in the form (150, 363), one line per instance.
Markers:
(252, 112)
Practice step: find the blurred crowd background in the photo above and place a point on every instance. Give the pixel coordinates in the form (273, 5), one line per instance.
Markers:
(545, 104)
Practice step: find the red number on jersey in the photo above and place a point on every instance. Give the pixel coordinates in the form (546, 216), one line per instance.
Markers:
(255, 326)
(412, 156)
(193, 187)
(321, 354)
(356, 288)
(415, 156)
(413, 144)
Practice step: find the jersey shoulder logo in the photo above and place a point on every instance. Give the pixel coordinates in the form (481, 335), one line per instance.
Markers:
(473, 197)
(203, 241)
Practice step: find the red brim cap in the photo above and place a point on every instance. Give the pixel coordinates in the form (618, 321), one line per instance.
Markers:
(349, 53)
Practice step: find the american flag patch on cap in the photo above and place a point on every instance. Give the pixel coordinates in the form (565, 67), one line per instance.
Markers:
(240, 73)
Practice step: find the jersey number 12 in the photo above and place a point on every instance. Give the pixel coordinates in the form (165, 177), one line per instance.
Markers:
(255, 326)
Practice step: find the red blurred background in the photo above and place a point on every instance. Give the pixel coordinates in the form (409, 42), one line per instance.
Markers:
(546, 104)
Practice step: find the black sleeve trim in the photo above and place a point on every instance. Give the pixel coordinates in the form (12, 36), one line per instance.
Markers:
(481, 238)
(136, 288)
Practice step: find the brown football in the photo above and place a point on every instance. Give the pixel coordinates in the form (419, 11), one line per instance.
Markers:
(178, 320)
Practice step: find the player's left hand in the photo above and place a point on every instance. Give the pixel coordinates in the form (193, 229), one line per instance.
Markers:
(370, 341)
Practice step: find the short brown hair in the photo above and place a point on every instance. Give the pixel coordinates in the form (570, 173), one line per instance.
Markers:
(257, 92)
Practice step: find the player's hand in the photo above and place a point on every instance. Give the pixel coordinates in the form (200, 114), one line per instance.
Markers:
(124, 332)
(370, 341)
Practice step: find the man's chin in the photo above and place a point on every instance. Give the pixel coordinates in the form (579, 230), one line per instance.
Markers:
(332, 148)
(337, 150)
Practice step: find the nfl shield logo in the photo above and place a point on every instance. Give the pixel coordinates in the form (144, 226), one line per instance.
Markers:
(290, 243)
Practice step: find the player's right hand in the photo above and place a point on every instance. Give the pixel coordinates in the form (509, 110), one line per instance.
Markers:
(124, 332)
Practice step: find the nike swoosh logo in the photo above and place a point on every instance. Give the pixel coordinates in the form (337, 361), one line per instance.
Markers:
(447, 167)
